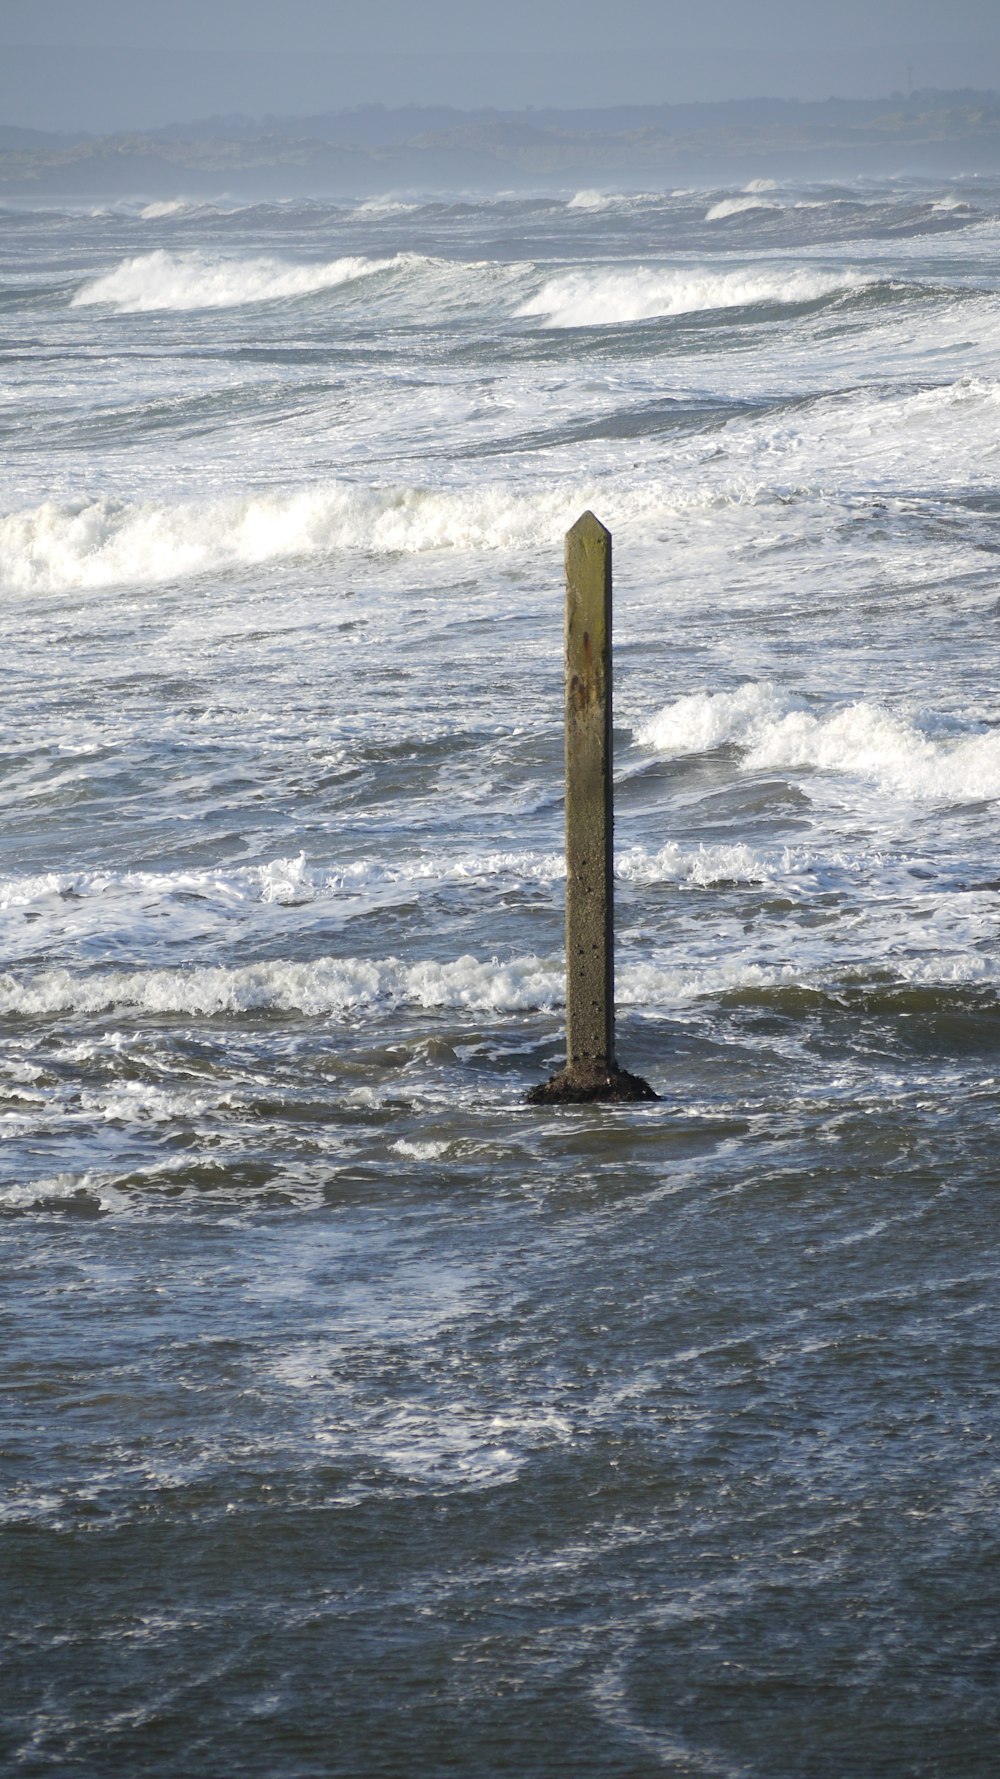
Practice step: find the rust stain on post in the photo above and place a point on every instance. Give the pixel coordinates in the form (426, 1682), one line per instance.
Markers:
(591, 1072)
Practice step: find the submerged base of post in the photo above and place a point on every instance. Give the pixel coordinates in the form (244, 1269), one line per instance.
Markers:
(584, 1083)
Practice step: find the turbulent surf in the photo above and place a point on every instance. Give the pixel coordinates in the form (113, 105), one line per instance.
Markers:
(360, 1418)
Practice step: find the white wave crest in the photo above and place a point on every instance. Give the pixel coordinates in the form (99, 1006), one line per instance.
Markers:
(738, 207)
(349, 988)
(101, 543)
(589, 200)
(327, 986)
(336, 988)
(701, 721)
(753, 185)
(871, 743)
(284, 881)
(387, 206)
(702, 866)
(182, 281)
(164, 207)
(862, 740)
(56, 548)
(712, 866)
(596, 299)
(56, 1191)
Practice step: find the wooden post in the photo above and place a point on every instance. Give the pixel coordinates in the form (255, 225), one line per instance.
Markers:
(590, 936)
(591, 1072)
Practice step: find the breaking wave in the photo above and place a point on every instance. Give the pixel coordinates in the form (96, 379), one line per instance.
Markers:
(704, 720)
(162, 280)
(385, 206)
(54, 548)
(740, 206)
(344, 988)
(589, 200)
(325, 986)
(57, 548)
(162, 207)
(863, 740)
(605, 298)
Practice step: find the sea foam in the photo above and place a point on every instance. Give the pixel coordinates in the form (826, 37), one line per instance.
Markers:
(162, 280)
(862, 740)
(349, 987)
(55, 548)
(606, 298)
(326, 986)
(61, 547)
(87, 899)
(701, 721)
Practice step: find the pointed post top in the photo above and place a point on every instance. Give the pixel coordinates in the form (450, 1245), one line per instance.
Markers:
(589, 525)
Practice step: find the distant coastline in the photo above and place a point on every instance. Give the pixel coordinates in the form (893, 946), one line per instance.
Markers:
(373, 149)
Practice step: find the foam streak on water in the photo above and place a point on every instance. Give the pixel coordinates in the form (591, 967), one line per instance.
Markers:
(357, 1419)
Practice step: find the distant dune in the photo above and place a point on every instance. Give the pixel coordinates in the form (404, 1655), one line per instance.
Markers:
(373, 150)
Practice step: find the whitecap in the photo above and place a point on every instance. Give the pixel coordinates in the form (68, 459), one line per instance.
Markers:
(738, 207)
(869, 742)
(337, 988)
(164, 207)
(640, 293)
(700, 721)
(107, 542)
(387, 206)
(325, 986)
(59, 547)
(703, 866)
(589, 200)
(862, 739)
(181, 281)
(63, 1191)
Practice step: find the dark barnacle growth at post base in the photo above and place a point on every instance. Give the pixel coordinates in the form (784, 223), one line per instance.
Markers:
(583, 1082)
(591, 1072)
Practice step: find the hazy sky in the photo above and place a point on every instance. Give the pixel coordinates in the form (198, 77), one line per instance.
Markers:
(130, 64)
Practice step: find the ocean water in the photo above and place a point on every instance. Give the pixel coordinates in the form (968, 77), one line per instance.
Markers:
(358, 1419)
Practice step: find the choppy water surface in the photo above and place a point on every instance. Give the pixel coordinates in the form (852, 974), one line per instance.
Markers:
(361, 1421)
